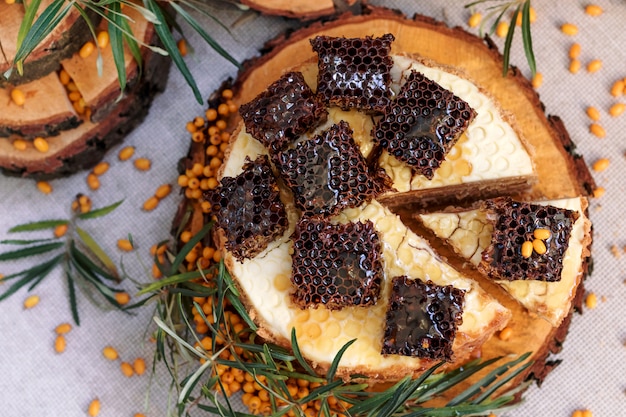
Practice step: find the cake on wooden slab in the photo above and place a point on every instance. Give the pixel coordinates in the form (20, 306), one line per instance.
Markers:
(351, 262)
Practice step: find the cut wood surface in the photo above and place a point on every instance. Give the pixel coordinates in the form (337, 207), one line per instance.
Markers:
(37, 117)
(561, 173)
(300, 9)
(77, 141)
(101, 90)
(64, 40)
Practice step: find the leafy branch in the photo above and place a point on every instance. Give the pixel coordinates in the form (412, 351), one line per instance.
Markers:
(496, 14)
(85, 264)
(33, 31)
(199, 363)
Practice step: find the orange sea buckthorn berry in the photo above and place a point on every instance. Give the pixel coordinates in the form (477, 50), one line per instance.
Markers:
(139, 366)
(63, 328)
(618, 88)
(537, 80)
(569, 29)
(474, 20)
(86, 50)
(617, 109)
(601, 164)
(574, 66)
(593, 113)
(574, 51)
(126, 153)
(44, 187)
(20, 144)
(599, 192)
(527, 249)
(60, 230)
(506, 333)
(125, 245)
(64, 77)
(593, 10)
(163, 191)
(59, 344)
(94, 408)
(127, 369)
(594, 65)
(41, 144)
(182, 47)
(102, 39)
(150, 204)
(110, 353)
(101, 168)
(143, 164)
(122, 298)
(539, 246)
(18, 97)
(31, 301)
(597, 130)
(92, 181)
(542, 234)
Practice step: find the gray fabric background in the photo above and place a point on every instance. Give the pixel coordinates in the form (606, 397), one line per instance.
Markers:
(35, 381)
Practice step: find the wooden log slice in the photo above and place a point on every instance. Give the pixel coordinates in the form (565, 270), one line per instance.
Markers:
(561, 172)
(300, 9)
(64, 41)
(83, 144)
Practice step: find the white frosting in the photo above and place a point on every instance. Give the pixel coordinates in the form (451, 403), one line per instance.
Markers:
(469, 233)
(265, 279)
(489, 150)
(266, 283)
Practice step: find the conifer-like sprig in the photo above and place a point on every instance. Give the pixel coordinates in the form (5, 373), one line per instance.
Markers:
(84, 263)
(196, 368)
(499, 10)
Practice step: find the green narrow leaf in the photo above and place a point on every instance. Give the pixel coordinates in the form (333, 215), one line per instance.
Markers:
(483, 383)
(489, 391)
(96, 250)
(180, 257)
(171, 280)
(116, 40)
(45, 23)
(506, 54)
(172, 49)
(298, 354)
(200, 30)
(330, 375)
(34, 226)
(526, 37)
(30, 274)
(30, 251)
(100, 212)
(233, 296)
(131, 42)
(27, 20)
(89, 265)
(21, 242)
(72, 296)
(92, 29)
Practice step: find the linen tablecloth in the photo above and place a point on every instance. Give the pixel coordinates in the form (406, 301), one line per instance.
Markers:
(36, 381)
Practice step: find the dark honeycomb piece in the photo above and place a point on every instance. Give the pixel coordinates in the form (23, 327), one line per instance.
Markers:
(422, 319)
(328, 173)
(514, 223)
(336, 265)
(286, 110)
(422, 124)
(248, 209)
(354, 72)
